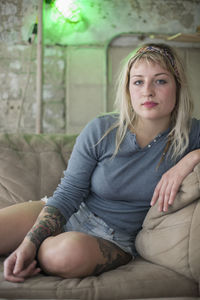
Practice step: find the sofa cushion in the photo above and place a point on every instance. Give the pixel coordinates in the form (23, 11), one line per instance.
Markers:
(31, 165)
(137, 279)
(172, 239)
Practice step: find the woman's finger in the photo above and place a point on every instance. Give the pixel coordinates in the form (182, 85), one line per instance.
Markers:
(9, 265)
(29, 271)
(174, 190)
(156, 194)
(162, 195)
(19, 264)
(167, 197)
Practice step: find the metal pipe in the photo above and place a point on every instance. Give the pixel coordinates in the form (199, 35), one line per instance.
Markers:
(39, 78)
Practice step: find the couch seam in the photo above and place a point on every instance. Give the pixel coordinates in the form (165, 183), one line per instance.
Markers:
(189, 242)
(29, 151)
(189, 264)
(10, 193)
(40, 176)
(167, 226)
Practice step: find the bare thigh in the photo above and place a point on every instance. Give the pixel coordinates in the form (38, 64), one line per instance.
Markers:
(15, 222)
(75, 254)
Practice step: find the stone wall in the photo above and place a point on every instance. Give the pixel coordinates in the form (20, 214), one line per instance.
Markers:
(18, 88)
(75, 57)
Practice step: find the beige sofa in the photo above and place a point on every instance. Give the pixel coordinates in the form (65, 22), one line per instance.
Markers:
(169, 243)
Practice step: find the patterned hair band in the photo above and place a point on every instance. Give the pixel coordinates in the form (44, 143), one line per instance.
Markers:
(164, 52)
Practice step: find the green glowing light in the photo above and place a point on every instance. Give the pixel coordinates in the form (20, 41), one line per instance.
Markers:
(64, 20)
(68, 9)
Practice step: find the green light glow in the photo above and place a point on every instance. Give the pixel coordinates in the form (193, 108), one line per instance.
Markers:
(62, 28)
(68, 9)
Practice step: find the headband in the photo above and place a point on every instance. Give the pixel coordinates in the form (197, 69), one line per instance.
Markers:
(164, 52)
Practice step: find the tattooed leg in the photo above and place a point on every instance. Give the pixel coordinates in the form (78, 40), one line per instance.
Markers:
(76, 255)
(113, 257)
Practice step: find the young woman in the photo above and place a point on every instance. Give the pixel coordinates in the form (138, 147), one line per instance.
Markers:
(121, 164)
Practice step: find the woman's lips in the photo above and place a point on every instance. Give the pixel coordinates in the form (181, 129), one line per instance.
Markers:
(149, 104)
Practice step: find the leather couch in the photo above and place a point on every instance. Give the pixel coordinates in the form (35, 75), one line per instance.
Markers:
(168, 265)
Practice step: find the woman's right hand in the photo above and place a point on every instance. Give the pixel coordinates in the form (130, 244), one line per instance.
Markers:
(21, 263)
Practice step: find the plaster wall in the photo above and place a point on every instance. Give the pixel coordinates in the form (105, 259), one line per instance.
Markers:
(75, 87)
(85, 86)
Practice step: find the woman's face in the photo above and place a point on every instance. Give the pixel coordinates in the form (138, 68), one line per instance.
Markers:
(153, 91)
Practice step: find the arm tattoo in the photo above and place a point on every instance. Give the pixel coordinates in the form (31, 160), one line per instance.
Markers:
(49, 222)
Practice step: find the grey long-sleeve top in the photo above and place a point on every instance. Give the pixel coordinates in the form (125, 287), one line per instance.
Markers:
(119, 189)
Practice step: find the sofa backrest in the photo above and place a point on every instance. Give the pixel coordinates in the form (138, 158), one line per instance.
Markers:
(31, 165)
(172, 239)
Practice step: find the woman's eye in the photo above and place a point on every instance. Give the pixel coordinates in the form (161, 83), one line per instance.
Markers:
(161, 81)
(137, 82)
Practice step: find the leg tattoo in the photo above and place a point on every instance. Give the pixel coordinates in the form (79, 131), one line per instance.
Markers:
(113, 257)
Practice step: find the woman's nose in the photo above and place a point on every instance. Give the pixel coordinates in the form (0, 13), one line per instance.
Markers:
(149, 90)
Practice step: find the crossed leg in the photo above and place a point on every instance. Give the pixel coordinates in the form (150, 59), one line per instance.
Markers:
(69, 254)
(74, 254)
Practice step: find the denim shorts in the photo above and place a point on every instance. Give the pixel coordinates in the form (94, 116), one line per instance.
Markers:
(85, 221)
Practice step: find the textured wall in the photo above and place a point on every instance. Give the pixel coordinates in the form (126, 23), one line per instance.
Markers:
(102, 19)
(18, 88)
(74, 56)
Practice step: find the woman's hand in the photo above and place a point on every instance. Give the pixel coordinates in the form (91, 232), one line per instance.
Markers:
(21, 263)
(167, 188)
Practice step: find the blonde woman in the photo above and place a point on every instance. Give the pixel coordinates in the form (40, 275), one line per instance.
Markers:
(121, 164)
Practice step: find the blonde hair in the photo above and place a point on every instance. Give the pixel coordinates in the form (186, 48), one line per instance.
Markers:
(178, 137)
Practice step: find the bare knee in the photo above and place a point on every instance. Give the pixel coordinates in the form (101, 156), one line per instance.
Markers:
(75, 254)
(63, 256)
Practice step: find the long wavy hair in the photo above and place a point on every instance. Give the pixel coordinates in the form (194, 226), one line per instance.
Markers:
(178, 137)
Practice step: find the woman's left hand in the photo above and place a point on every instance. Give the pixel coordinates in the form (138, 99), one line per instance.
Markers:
(167, 188)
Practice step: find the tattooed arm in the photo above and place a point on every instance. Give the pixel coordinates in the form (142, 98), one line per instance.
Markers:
(49, 222)
(21, 263)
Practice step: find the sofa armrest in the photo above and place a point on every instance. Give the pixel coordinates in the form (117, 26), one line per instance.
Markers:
(171, 238)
